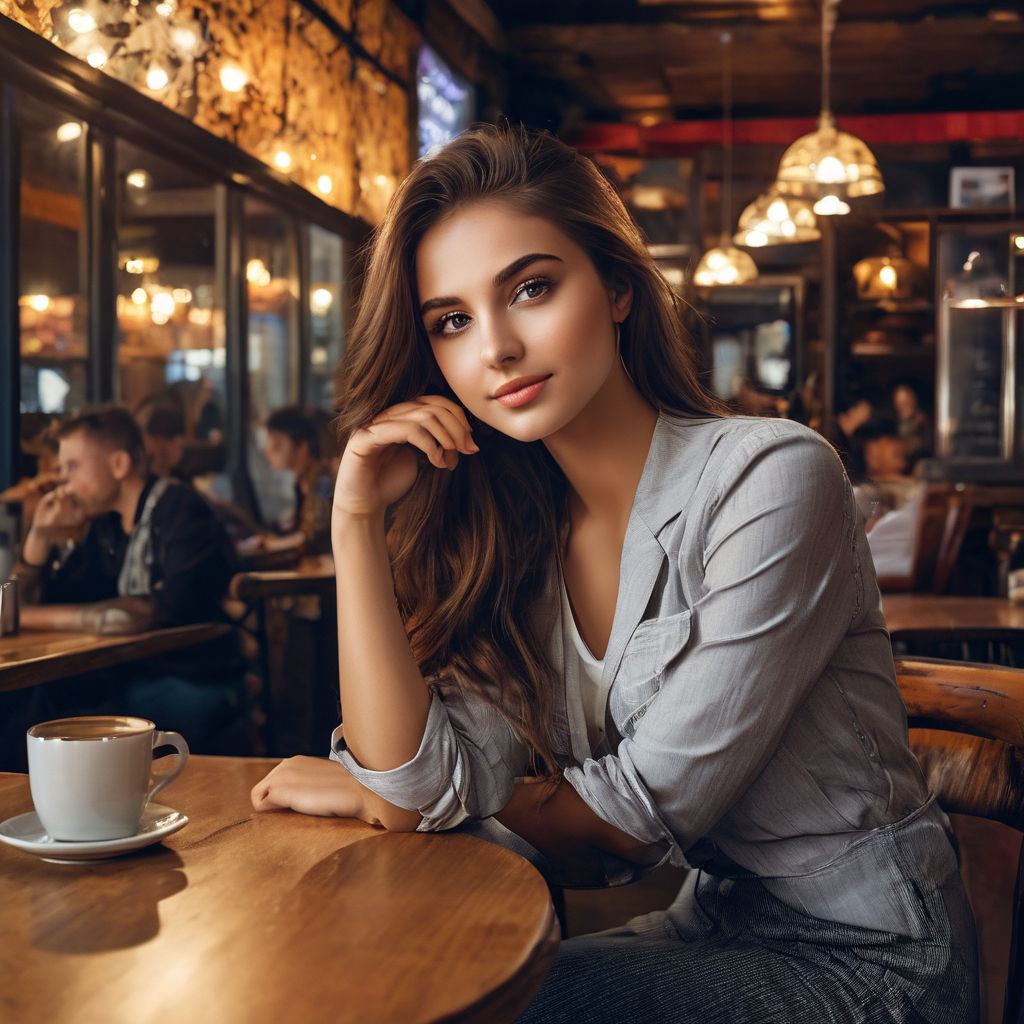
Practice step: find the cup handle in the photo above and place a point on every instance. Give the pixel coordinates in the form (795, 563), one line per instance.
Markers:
(169, 739)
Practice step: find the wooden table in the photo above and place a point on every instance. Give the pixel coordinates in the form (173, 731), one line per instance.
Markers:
(39, 656)
(245, 918)
(931, 617)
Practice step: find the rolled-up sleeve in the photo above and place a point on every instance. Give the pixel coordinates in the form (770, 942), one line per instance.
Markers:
(773, 591)
(466, 765)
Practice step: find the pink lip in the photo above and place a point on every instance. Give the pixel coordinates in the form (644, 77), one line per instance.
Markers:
(521, 391)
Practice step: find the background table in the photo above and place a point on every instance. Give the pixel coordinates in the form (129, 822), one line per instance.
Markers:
(245, 918)
(39, 656)
(928, 616)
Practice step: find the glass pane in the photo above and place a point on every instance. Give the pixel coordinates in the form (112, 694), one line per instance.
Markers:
(273, 343)
(52, 305)
(327, 339)
(976, 330)
(170, 318)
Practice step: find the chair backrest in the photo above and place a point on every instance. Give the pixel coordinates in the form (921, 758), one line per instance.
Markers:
(967, 730)
(942, 521)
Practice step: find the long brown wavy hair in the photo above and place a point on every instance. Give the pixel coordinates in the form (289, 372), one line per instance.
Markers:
(471, 550)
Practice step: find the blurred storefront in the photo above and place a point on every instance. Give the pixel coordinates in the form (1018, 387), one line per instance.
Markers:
(183, 193)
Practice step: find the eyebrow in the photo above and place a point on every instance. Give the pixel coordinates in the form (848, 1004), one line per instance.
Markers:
(499, 279)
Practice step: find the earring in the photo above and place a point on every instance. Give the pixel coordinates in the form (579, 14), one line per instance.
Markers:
(618, 349)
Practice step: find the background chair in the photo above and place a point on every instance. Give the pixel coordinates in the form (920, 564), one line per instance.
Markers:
(967, 730)
(944, 515)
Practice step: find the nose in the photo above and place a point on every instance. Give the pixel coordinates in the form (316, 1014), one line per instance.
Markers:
(499, 345)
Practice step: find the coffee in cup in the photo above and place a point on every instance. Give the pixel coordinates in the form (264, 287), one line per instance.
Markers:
(90, 777)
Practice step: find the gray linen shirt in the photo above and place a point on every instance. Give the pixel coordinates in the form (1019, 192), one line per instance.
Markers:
(752, 691)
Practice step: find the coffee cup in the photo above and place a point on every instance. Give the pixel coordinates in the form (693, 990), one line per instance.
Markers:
(91, 777)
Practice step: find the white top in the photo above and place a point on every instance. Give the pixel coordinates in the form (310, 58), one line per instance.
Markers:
(590, 674)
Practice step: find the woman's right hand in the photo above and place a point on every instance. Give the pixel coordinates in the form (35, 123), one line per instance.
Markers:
(381, 461)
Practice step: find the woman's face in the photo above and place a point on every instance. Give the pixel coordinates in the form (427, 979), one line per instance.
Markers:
(520, 322)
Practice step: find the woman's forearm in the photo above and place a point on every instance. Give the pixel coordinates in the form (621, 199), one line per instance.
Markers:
(556, 820)
(384, 699)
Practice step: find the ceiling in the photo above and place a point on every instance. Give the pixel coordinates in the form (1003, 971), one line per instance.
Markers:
(577, 61)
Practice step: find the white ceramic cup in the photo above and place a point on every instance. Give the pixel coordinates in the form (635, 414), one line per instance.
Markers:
(90, 777)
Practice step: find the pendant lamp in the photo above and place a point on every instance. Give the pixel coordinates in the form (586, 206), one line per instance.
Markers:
(725, 264)
(776, 219)
(829, 166)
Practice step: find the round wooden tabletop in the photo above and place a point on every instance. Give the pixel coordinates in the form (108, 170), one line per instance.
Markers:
(251, 918)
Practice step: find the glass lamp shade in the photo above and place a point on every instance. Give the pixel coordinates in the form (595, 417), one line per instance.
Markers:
(829, 163)
(724, 264)
(884, 277)
(775, 219)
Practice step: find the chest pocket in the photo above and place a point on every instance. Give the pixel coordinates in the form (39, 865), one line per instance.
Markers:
(652, 647)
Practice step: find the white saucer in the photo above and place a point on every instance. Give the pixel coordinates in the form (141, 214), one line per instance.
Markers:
(27, 833)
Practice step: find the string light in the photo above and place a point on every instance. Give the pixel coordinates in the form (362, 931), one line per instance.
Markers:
(233, 78)
(157, 78)
(81, 21)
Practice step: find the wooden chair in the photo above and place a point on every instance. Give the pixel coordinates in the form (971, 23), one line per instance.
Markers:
(941, 526)
(967, 730)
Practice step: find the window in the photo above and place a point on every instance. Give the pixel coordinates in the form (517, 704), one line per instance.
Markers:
(326, 332)
(170, 318)
(52, 306)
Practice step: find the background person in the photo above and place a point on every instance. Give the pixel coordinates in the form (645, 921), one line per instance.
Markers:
(293, 445)
(153, 555)
(561, 564)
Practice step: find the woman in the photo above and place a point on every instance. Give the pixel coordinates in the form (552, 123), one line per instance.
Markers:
(560, 563)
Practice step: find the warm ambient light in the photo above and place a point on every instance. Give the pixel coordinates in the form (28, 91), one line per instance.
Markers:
(81, 21)
(165, 9)
(282, 159)
(320, 301)
(69, 131)
(831, 206)
(775, 219)
(163, 304)
(139, 179)
(725, 264)
(139, 296)
(828, 165)
(156, 78)
(256, 273)
(233, 78)
(96, 57)
(40, 303)
(324, 184)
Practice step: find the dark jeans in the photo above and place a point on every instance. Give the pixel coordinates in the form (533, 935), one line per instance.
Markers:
(755, 960)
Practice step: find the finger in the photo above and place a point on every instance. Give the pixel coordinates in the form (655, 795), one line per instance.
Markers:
(448, 412)
(395, 432)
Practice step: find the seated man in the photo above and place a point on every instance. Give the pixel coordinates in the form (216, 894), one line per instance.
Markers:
(149, 553)
(153, 553)
(293, 443)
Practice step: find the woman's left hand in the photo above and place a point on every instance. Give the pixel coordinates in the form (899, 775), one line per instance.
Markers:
(311, 785)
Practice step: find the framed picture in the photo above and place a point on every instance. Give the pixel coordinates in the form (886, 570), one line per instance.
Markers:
(981, 187)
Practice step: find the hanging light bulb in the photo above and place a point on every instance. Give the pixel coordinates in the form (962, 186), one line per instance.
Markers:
(775, 219)
(828, 165)
(725, 264)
